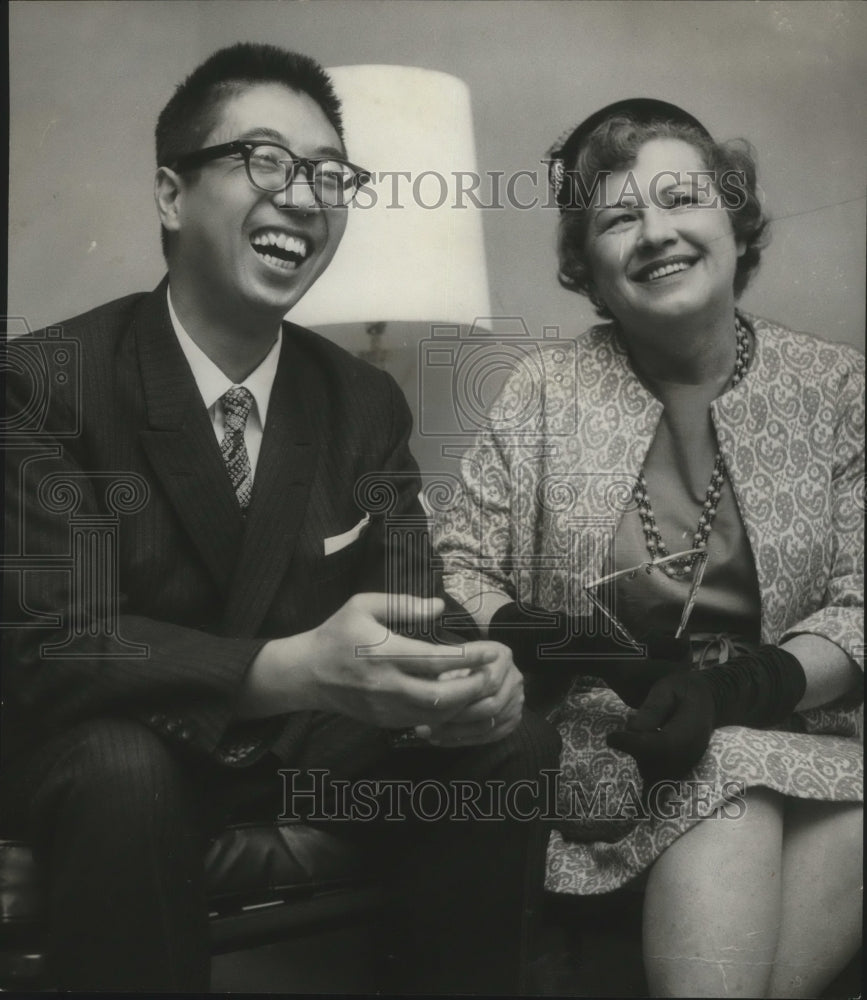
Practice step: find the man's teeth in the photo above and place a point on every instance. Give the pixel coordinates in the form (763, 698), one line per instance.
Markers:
(280, 248)
(661, 272)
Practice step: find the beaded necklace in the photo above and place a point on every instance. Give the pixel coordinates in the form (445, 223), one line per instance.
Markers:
(652, 537)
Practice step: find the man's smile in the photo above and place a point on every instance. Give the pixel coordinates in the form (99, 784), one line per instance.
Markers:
(279, 248)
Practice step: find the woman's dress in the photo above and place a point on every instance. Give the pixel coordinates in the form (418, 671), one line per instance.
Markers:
(805, 577)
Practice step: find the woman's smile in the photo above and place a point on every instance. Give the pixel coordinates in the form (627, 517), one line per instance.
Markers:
(658, 271)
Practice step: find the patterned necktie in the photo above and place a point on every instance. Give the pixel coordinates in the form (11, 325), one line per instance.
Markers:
(236, 408)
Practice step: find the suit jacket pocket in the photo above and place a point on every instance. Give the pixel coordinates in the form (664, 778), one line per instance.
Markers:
(347, 563)
(337, 543)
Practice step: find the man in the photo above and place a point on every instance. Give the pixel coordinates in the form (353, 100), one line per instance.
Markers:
(251, 578)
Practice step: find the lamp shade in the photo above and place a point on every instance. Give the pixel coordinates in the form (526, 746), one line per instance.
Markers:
(414, 248)
(412, 259)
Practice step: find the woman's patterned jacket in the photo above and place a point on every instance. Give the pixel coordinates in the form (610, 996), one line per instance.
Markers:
(549, 477)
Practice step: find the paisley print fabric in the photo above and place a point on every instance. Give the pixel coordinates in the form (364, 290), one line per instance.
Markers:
(543, 490)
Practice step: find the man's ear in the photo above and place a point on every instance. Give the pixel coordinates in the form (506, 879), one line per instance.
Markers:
(167, 195)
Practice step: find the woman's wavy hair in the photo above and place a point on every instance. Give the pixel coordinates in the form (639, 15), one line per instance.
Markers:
(614, 146)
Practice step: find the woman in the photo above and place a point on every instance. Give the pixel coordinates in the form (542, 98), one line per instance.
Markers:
(681, 424)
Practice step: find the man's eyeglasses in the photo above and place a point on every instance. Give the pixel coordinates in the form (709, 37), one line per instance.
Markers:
(274, 168)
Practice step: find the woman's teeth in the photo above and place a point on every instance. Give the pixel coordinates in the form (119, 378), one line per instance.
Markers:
(665, 270)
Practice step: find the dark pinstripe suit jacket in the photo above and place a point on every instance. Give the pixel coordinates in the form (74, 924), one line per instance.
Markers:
(199, 587)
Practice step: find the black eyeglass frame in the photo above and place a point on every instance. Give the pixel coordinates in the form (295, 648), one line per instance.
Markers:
(199, 157)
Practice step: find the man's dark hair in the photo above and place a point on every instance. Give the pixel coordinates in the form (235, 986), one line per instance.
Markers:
(194, 108)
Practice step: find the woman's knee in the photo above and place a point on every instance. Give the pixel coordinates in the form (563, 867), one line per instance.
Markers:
(839, 826)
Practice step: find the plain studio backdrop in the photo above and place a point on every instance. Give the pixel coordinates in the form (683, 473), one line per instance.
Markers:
(88, 80)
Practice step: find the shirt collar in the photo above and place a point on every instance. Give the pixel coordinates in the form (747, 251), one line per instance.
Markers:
(212, 382)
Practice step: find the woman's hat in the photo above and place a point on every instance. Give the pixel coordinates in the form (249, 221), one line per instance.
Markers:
(643, 110)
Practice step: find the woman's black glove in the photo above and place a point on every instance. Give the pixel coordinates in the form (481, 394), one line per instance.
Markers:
(587, 650)
(671, 731)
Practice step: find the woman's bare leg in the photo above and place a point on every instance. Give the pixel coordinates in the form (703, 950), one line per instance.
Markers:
(712, 906)
(821, 906)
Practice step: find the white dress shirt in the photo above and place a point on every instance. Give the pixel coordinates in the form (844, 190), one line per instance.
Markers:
(213, 383)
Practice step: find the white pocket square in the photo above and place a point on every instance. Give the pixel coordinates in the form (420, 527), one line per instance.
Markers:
(337, 542)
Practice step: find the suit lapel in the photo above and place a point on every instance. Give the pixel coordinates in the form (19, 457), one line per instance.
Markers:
(181, 445)
(281, 490)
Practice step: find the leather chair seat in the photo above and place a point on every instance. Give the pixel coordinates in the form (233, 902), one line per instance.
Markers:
(265, 881)
(255, 862)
